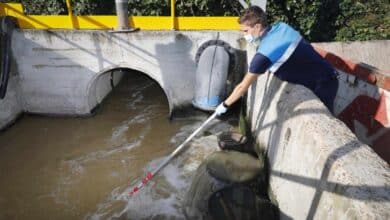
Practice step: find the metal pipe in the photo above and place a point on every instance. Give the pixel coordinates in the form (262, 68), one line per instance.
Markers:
(122, 14)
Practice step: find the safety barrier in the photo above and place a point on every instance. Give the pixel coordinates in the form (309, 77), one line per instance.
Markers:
(71, 21)
(363, 102)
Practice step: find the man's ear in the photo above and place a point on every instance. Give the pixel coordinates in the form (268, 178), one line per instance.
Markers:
(259, 26)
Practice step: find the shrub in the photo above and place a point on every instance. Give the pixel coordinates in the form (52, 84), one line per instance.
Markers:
(317, 20)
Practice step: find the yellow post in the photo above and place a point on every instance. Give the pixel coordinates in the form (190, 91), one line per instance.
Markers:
(70, 11)
(173, 14)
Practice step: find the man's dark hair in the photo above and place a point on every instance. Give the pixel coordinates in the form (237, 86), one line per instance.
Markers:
(253, 15)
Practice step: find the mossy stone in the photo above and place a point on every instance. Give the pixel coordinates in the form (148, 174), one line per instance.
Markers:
(233, 166)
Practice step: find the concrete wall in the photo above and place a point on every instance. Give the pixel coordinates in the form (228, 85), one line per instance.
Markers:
(102, 85)
(363, 98)
(318, 168)
(60, 71)
(373, 53)
(365, 109)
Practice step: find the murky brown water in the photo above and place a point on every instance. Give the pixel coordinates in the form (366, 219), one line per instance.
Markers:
(75, 168)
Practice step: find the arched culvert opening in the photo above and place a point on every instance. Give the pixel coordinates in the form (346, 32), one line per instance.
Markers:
(128, 89)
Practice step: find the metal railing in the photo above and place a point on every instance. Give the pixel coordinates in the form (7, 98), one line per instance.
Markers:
(72, 21)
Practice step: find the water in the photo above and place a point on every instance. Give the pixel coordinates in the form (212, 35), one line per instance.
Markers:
(83, 168)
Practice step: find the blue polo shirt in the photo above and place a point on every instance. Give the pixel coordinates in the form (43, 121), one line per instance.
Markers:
(305, 66)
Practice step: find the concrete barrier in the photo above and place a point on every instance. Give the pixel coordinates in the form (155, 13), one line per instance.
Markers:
(318, 168)
(375, 53)
(363, 98)
(59, 69)
(62, 72)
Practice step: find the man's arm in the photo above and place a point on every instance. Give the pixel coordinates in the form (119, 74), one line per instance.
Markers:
(259, 65)
(241, 88)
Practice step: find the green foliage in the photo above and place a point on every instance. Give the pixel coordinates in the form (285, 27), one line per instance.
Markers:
(93, 7)
(208, 8)
(363, 20)
(342, 20)
(41, 7)
(46, 7)
(149, 7)
(312, 18)
(317, 20)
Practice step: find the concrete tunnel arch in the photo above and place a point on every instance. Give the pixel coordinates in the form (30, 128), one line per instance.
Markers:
(100, 85)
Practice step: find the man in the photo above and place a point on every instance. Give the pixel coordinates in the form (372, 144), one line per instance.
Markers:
(287, 55)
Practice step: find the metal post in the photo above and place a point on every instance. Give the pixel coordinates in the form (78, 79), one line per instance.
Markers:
(70, 11)
(122, 14)
(173, 14)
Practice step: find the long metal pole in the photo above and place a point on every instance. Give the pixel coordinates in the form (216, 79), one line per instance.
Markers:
(150, 175)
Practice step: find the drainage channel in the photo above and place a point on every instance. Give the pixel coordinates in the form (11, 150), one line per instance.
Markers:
(81, 168)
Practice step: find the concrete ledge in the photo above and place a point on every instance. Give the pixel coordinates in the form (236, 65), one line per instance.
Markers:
(365, 72)
(374, 52)
(319, 170)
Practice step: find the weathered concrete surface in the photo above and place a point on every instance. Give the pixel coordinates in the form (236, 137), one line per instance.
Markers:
(10, 106)
(363, 98)
(60, 71)
(318, 168)
(365, 109)
(374, 53)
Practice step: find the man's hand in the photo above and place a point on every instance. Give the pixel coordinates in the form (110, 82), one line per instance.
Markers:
(221, 109)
